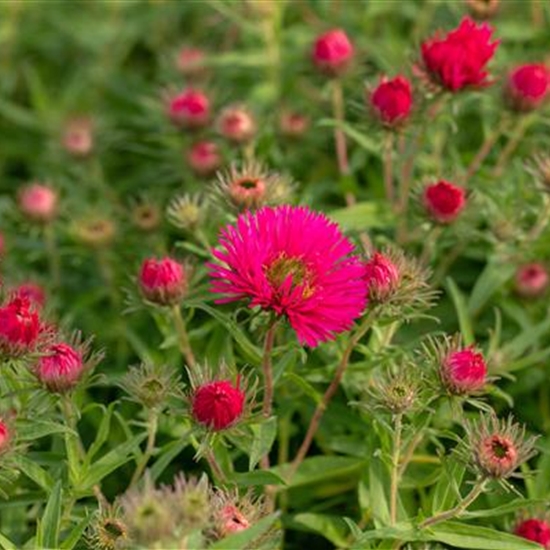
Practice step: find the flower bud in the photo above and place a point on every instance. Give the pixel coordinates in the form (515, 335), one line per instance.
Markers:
(531, 280)
(463, 371)
(332, 52)
(293, 125)
(527, 87)
(189, 109)
(236, 124)
(204, 158)
(382, 277)
(163, 282)
(218, 405)
(391, 101)
(483, 9)
(536, 530)
(5, 436)
(38, 202)
(444, 201)
(232, 521)
(190, 61)
(186, 212)
(95, 232)
(78, 139)
(146, 216)
(20, 327)
(60, 368)
(32, 292)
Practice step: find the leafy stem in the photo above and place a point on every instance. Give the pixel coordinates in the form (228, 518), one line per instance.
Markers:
(395, 470)
(152, 426)
(184, 344)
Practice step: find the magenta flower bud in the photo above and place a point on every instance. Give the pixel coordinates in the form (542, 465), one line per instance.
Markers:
(60, 368)
(204, 158)
(32, 292)
(531, 280)
(463, 371)
(391, 101)
(528, 86)
(20, 327)
(218, 405)
(5, 436)
(38, 202)
(332, 52)
(189, 109)
(163, 281)
(382, 277)
(536, 530)
(444, 201)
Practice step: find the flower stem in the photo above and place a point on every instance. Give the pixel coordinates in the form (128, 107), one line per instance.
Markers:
(152, 426)
(395, 470)
(329, 393)
(184, 344)
(267, 368)
(53, 254)
(477, 489)
(388, 169)
(512, 145)
(214, 466)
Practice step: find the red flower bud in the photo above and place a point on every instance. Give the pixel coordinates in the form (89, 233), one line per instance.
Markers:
(190, 109)
(60, 368)
(536, 530)
(444, 201)
(163, 281)
(5, 436)
(38, 202)
(463, 371)
(392, 100)
(236, 124)
(333, 52)
(218, 405)
(527, 87)
(204, 158)
(458, 60)
(20, 327)
(293, 125)
(190, 61)
(232, 520)
(531, 280)
(32, 292)
(382, 277)
(78, 139)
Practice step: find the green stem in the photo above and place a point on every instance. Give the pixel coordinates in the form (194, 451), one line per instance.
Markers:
(53, 254)
(395, 471)
(267, 368)
(477, 489)
(214, 466)
(184, 344)
(512, 144)
(329, 393)
(152, 426)
(388, 169)
(339, 136)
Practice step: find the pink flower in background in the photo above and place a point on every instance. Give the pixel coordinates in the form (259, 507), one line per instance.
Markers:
(204, 158)
(38, 202)
(5, 436)
(78, 138)
(531, 280)
(457, 60)
(190, 61)
(333, 52)
(294, 262)
(218, 405)
(60, 368)
(444, 201)
(190, 109)
(32, 292)
(392, 100)
(237, 124)
(528, 86)
(537, 530)
(382, 276)
(20, 327)
(163, 281)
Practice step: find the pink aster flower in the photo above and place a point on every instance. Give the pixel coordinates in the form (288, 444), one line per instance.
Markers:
(295, 262)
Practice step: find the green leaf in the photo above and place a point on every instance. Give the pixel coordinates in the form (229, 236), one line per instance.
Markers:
(264, 435)
(333, 528)
(167, 454)
(462, 311)
(378, 480)
(494, 276)
(243, 539)
(71, 540)
(47, 535)
(102, 432)
(252, 353)
(306, 387)
(517, 504)
(363, 215)
(446, 492)
(6, 543)
(257, 478)
(35, 472)
(30, 430)
(110, 462)
(361, 139)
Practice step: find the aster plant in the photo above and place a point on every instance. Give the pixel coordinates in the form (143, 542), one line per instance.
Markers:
(307, 244)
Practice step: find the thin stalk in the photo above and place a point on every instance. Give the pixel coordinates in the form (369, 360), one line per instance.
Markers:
(214, 466)
(388, 169)
(542, 221)
(152, 426)
(339, 136)
(429, 244)
(395, 471)
(184, 344)
(477, 489)
(53, 254)
(512, 145)
(267, 368)
(329, 393)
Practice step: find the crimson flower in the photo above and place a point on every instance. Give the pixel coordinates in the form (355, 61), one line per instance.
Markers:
(392, 100)
(444, 201)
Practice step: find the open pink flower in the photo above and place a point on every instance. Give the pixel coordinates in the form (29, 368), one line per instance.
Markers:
(457, 60)
(295, 262)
